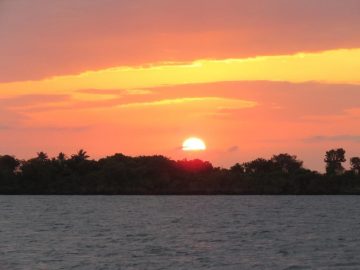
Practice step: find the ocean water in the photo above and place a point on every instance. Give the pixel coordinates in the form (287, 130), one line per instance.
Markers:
(179, 232)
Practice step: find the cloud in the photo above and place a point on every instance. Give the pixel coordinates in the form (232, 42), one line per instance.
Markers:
(14, 110)
(11, 118)
(330, 67)
(335, 138)
(27, 105)
(46, 128)
(77, 128)
(233, 149)
(217, 102)
(32, 100)
(115, 92)
(4, 127)
(299, 102)
(79, 36)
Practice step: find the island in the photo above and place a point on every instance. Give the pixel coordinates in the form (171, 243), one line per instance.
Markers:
(158, 175)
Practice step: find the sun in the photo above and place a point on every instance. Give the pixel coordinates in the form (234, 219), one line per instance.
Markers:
(193, 144)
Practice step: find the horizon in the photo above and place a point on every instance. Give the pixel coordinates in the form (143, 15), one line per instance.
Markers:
(140, 77)
(191, 157)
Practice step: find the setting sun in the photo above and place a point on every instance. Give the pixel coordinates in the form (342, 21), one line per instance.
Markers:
(193, 144)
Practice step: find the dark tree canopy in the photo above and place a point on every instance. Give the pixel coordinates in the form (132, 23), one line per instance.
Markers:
(258, 166)
(195, 165)
(61, 157)
(355, 164)
(334, 159)
(237, 168)
(80, 156)
(42, 156)
(121, 174)
(8, 163)
(286, 163)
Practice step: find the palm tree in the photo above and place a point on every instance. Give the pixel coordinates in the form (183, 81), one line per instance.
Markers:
(61, 157)
(80, 156)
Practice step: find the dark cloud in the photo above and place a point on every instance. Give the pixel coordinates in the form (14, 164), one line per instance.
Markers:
(60, 128)
(233, 149)
(335, 138)
(4, 127)
(46, 129)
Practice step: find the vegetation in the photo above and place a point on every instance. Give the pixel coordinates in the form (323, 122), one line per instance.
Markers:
(120, 174)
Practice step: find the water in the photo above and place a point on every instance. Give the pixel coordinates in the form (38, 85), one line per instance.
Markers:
(179, 232)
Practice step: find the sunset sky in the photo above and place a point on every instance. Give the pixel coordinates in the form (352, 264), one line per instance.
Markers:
(251, 78)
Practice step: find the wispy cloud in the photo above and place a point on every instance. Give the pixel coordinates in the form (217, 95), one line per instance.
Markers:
(218, 102)
(4, 127)
(335, 138)
(32, 100)
(115, 92)
(234, 148)
(46, 128)
(61, 128)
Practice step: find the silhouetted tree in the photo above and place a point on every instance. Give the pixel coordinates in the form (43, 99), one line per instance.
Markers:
(37, 173)
(355, 164)
(195, 165)
(8, 163)
(80, 156)
(80, 163)
(120, 174)
(333, 160)
(259, 165)
(61, 157)
(8, 174)
(42, 157)
(60, 165)
(286, 163)
(237, 168)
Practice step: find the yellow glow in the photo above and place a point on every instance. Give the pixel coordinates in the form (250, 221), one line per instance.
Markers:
(336, 66)
(193, 144)
(209, 102)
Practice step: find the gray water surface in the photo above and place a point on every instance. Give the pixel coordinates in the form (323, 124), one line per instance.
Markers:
(179, 232)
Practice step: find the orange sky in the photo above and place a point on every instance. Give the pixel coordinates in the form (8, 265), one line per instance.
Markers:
(252, 78)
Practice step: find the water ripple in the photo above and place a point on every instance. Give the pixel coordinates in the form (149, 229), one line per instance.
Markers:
(179, 232)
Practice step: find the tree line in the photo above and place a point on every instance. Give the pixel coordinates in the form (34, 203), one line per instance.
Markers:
(120, 174)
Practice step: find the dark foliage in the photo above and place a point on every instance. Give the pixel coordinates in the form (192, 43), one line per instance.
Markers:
(334, 159)
(355, 165)
(120, 174)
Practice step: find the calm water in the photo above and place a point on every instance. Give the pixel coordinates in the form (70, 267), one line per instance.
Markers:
(179, 232)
